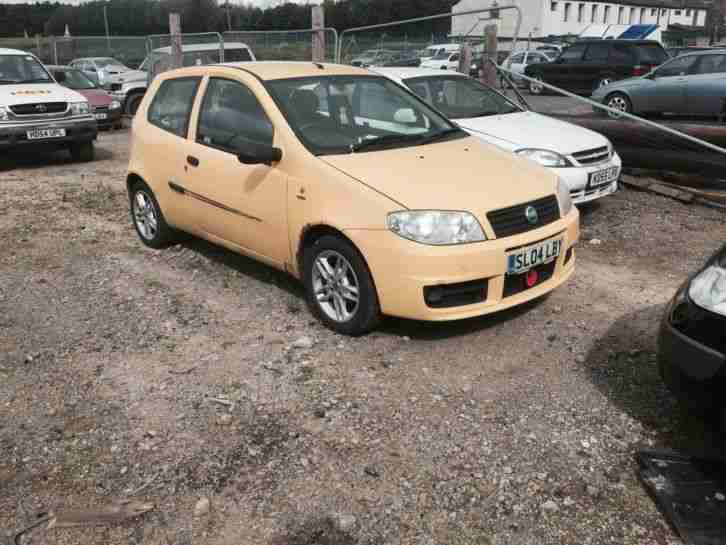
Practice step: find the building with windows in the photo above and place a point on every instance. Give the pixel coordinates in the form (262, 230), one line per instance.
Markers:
(547, 19)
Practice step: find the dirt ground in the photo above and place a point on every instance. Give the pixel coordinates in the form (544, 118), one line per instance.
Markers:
(192, 373)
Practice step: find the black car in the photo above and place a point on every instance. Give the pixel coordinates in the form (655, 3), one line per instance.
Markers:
(587, 65)
(692, 340)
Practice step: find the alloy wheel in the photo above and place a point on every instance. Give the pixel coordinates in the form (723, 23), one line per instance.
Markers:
(619, 103)
(145, 215)
(536, 87)
(335, 286)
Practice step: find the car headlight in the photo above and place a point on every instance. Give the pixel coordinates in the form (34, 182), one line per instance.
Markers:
(708, 288)
(544, 157)
(80, 108)
(114, 105)
(3, 113)
(436, 227)
(564, 198)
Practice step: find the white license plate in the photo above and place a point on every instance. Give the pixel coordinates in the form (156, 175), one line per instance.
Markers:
(38, 134)
(603, 177)
(101, 116)
(524, 259)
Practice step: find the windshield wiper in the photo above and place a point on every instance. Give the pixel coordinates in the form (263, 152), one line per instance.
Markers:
(385, 140)
(441, 135)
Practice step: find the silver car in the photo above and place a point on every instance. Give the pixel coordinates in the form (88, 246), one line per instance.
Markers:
(692, 84)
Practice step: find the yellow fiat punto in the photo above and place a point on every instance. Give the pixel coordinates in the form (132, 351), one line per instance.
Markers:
(372, 198)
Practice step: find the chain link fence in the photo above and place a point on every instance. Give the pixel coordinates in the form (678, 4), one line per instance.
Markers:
(41, 47)
(286, 45)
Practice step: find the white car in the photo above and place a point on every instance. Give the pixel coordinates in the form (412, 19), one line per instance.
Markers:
(444, 60)
(102, 70)
(439, 49)
(517, 62)
(583, 159)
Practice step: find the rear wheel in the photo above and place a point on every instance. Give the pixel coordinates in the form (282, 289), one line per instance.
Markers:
(83, 152)
(620, 102)
(339, 287)
(536, 87)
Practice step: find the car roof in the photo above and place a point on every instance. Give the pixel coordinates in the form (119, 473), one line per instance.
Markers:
(274, 70)
(8, 51)
(186, 48)
(606, 41)
(401, 73)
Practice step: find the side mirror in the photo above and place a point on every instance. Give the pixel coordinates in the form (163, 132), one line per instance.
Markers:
(404, 116)
(259, 154)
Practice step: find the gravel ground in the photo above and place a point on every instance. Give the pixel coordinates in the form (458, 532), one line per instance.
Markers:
(196, 374)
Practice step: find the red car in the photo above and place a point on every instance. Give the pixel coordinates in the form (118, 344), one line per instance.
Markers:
(106, 110)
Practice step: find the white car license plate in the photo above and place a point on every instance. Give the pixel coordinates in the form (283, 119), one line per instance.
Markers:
(38, 134)
(524, 259)
(101, 116)
(603, 177)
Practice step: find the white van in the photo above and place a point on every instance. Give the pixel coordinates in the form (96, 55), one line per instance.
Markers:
(36, 111)
(438, 50)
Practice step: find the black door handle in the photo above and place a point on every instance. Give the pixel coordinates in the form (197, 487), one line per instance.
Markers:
(192, 161)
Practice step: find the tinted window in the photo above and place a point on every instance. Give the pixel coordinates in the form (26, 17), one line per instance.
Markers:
(621, 54)
(679, 66)
(237, 55)
(172, 105)
(460, 97)
(232, 118)
(651, 54)
(597, 53)
(573, 53)
(712, 64)
(74, 79)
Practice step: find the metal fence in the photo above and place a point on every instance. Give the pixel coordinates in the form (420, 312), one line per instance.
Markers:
(287, 45)
(41, 47)
(129, 50)
(200, 48)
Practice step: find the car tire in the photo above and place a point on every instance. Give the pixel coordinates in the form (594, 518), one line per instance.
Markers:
(618, 101)
(536, 88)
(702, 398)
(133, 103)
(148, 219)
(333, 300)
(83, 152)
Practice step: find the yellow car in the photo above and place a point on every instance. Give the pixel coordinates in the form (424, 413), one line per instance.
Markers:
(352, 184)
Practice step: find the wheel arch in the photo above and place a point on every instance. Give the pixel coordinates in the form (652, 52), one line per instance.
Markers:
(623, 93)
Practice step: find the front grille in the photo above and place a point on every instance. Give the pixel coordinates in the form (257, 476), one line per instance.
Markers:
(40, 108)
(592, 156)
(513, 220)
(456, 295)
(516, 283)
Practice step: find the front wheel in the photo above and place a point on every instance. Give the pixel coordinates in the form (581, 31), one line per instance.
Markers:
(618, 101)
(339, 288)
(147, 218)
(83, 152)
(536, 87)
(133, 103)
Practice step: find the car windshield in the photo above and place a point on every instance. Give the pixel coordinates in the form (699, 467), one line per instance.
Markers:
(460, 97)
(74, 79)
(442, 55)
(22, 69)
(355, 114)
(103, 62)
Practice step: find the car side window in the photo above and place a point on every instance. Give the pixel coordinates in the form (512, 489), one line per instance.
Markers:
(454, 57)
(597, 53)
(231, 118)
(711, 64)
(573, 53)
(680, 66)
(172, 105)
(518, 59)
(621, 54)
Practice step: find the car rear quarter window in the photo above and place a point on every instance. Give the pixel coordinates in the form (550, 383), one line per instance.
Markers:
(652, 54)
(621, 54)
(172, 105)
(231, 118)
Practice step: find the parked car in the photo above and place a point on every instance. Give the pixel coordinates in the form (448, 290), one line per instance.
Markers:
(692, 343)
(517, 62)
(551, 50)
(581, 158)
(402, 59)
(439, 49)
(372, 56)
(585, 66)
(105, 109)
(102, 70)
(677, 51)
(37, 112)
(131, 86)
(340, 176)
(692, 84)
(444, 60)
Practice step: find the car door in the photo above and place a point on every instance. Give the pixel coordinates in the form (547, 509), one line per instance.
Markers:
(563, 71)
(453, 63)
(240, 205)
(594, 67)
(706, 86)
(668, 93)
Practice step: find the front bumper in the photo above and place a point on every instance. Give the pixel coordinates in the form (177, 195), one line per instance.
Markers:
(691, 339)
(577, 179)
(401, 269)
(79, 129)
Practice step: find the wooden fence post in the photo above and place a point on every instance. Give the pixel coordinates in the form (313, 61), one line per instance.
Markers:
(176, 40)
(488, 71)
(318, 20)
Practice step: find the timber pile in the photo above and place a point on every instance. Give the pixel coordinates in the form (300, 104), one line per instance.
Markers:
(686, 189)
